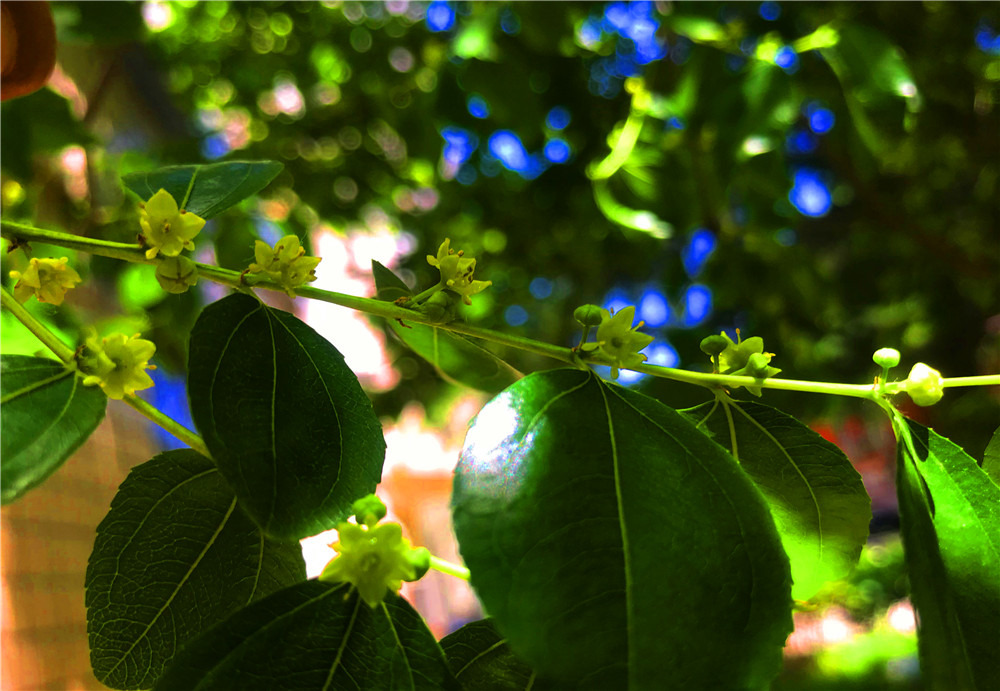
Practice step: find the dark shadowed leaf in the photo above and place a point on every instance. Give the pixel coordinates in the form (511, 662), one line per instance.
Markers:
(614, 545)
(950, 523)
(314, 636)
(479, 657)
(818, 501)
(456, 358)
(46, 415)
(209, 189)
(173, 557)
(283, 416)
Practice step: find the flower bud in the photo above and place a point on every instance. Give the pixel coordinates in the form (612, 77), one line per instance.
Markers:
(588, 315)
(924, 385)
(176, 274)
(886, 357)
(713, 345)
(369, 510)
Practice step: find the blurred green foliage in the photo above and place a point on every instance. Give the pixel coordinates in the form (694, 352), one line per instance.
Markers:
(875, 225)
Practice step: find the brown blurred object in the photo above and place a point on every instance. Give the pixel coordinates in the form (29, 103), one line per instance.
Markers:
(27, 47)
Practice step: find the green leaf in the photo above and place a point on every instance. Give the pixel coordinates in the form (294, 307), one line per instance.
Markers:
(172, 558)
(614, 544)
(950, 523)
(991, 458)
(46, 414)
(457, 359)
(479, 657)
(817, 499)
(314, 635)
(283, 416)
(208, 189)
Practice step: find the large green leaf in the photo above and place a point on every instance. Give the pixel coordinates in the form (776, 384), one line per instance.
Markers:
(615, 545)
(481, 660)
(173, 557)
(314, 636)
(950, 522)
(818, 501)
(46, 414)
(991, 457)
(283, 416)
(456, 358)
(208, 189)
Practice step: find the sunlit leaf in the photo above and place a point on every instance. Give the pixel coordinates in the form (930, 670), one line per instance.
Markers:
(46, 415)
(173, 557)
(950, 523)
(208, 189)
(283, 416)
(314, 636)
(991, 458)
(456, 358)
(614, 545)
(818, 501)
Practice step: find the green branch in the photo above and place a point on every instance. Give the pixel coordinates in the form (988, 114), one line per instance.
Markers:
(49, 339)
(449, 568)
(390, 310)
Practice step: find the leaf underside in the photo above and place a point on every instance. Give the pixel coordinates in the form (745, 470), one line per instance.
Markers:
(173, 557)
(312, 636)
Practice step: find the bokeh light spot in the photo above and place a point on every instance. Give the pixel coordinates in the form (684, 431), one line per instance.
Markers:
(440, 16)
(540, 288)
(515, 315)
(654, 308)
(478, 107)
(769, 11)
(558, 118)
(557, 150)
(698, 250)
(810, 194)
(697, 304)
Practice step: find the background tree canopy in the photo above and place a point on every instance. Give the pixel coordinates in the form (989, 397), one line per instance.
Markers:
(824, 175)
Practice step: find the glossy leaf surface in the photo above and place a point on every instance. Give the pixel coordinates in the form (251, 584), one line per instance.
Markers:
(311, 637)
(950, 523)
(614, 545)
(173, 557)
(46, 415)
(817, 499)
(209, 189)
(457, 359)
(283, 416)
(479, 657)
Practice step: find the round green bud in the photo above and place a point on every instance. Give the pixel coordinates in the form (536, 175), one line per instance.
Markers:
(588, 315)
(176, 274)
(924, 385)
(713, 345)
(369, 510)
(886, 357)
(420, 559)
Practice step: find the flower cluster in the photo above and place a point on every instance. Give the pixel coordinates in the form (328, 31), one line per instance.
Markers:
(46, 279)
(619, 340)
(117, 364)
(456, 272)
(286, 264)
(166, 229)
(742, 358)
(374, 557)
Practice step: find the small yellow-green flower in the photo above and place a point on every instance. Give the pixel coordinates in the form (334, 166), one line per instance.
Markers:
(374, 559)
(46, 279)
(117, 364)
(167, 229)
(619, 340)
(456, 272)
(176, 274)
(285, 264)
(924, 385)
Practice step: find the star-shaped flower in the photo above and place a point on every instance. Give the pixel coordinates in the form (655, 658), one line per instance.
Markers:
(46, 279)
(286, 264)
(619, 340)
(456, 271)
(167, 230)
(117, 364)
